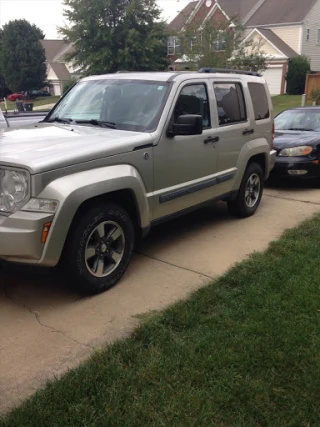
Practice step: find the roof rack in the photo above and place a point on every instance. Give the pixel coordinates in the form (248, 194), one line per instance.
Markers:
(228, 71)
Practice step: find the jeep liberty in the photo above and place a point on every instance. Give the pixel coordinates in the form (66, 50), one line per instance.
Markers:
(120, 153)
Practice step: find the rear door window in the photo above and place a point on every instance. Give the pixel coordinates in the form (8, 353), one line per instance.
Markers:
(231, 103)
(259, 100)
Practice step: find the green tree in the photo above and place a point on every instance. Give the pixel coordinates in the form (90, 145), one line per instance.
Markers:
(22, 58)
(249, 56)
(114, 35)
(219, 44)
(3, 88)
(298, 69)
(67, 85)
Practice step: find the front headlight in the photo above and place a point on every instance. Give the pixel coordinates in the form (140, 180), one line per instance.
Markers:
(304, 150)
(14, 190)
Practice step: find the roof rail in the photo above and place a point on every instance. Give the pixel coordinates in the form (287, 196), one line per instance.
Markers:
(228, 71)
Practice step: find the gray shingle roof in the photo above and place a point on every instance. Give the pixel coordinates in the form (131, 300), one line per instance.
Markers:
(270, 12)
(281, 12)
(241, 8)
(232, 8)
(53, 47)
(61, 71)
(278, 42)
(178, 22)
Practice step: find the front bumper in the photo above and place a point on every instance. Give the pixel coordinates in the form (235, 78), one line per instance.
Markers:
(20, 236)
(291, 167)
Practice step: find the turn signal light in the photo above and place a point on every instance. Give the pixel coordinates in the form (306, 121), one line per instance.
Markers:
(306, 151)
(45, 232)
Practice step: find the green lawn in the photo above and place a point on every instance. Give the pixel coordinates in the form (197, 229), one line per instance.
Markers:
(242, 352)
(282, 102)
(36, 103)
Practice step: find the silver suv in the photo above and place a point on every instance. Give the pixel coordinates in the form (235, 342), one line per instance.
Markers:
(119, 154)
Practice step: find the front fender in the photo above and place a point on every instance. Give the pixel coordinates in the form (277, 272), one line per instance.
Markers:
(252, 148)
(73, 190)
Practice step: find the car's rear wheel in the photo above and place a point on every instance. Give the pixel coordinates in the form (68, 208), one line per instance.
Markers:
(99, 248)
(250, 193)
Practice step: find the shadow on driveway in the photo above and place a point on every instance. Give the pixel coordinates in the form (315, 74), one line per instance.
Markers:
(49, 287)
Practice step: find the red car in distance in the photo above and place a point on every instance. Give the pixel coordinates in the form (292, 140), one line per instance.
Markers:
(15, 97)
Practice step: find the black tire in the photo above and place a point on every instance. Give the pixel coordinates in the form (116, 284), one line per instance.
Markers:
(239, 206)
(83, 232)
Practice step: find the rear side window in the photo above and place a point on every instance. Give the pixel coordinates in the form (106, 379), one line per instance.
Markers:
(259, 100)
(231, 103)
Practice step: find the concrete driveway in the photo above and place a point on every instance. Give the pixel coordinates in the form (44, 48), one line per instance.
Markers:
(46, 329)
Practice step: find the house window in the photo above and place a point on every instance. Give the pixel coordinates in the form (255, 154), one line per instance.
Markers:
(308, 34)
(318, 37)
(196, 42)
(173, 45)
(220, 43)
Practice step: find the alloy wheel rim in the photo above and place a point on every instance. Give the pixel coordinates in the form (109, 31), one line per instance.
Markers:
(253, 189)
(104, 249)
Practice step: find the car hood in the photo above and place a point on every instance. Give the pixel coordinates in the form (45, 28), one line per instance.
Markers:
(289, 139)
(43, 147)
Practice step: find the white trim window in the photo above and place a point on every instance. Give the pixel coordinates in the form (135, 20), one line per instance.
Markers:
(173, 45)
(220, 44)
(308, 34)
(196, 42)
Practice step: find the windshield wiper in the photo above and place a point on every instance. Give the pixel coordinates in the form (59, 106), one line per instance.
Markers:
(302, 129)
(60, 120)
(95, 122)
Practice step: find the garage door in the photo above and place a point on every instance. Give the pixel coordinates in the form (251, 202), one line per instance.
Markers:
(56, 89)
(273, 76)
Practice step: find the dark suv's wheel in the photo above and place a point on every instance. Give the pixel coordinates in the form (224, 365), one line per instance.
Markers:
(249, 196)
(99, 248)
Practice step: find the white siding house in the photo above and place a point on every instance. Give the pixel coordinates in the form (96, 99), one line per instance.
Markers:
(311, 36)
(291, 34)
(59, 70)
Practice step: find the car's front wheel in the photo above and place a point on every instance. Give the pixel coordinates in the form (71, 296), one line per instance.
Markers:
(250, 193)
(99, 248)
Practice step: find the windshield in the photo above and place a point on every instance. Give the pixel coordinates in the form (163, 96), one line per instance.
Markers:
(304, 120)
(119, 104)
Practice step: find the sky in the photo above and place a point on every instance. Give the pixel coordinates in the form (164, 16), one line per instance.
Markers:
(48, 14)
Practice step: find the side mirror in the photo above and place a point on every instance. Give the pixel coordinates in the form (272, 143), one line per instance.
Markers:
(190, 124)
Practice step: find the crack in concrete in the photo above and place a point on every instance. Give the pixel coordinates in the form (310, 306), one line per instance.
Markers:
(293, 200)
(177, 266)
(43, 325)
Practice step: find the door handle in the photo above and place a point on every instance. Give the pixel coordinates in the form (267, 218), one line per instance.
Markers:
(211, 139)
(248, 132)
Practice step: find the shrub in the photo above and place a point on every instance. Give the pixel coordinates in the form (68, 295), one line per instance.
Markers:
(298, 69)
(315, 96)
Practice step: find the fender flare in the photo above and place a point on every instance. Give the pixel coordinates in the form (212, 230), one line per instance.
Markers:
(73, 190)
(253, 148)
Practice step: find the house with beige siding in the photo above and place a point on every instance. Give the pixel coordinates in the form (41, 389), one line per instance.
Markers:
(284, 29)
(59, 69)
